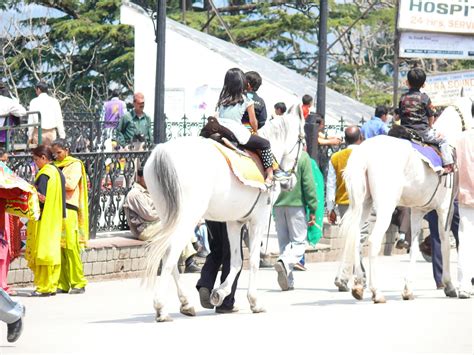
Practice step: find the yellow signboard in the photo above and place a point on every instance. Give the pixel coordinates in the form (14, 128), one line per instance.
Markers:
(443, 89)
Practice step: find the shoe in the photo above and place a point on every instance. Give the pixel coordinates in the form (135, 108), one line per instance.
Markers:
(440, 286)
(282, 275)
(299, 267)
(402, 244)
(192, 267)
(425, 246)
(205, 298)
(280, 175)
(221, 309)
(61, 291)
(40, 294)
(15, 329)
(448, 169)
(12, 293)
(77, 291)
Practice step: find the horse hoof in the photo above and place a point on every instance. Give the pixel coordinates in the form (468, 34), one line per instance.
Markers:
(217, 297)
(380, 299)
(341, 285)
(464, 295)
(450, 292)
(163, 318)
(407, 296)
(358, 292)
(258, 309)
(188, 311)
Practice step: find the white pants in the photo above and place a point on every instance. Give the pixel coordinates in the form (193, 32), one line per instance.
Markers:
(466, 248)
(10, 311)
(292, 230)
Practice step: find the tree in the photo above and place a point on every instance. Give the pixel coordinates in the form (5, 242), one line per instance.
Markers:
(81, 50)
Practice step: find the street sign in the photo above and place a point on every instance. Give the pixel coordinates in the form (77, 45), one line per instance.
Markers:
(448, 16)
(436, 45)
(444, 88)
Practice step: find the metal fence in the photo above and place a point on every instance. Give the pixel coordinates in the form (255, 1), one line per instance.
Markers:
(111, 174)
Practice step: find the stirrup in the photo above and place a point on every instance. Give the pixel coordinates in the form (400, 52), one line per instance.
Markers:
(280, 175)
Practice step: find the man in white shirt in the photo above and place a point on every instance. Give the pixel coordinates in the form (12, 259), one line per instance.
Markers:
(9, 109)
(51, 116)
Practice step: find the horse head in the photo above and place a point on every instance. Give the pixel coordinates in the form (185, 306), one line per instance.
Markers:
(455, 118)
(286, 136)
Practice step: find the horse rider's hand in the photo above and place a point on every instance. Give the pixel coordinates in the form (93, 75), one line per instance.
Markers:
(332, 217)
(41, 197)
(336, 141)
(312, 220)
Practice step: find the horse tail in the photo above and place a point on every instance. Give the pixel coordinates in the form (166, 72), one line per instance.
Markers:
(163, 184)
(355, 178)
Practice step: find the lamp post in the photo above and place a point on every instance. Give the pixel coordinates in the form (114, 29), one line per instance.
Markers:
(158, 17)
(322, 55)
(159, 125)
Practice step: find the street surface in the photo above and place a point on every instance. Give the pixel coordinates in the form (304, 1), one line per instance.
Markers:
(118, 317)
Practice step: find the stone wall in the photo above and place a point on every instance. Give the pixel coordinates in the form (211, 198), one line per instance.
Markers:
(112, 257)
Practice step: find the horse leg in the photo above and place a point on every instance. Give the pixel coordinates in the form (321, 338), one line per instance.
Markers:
(254, 249)
(186, 308)
(449, 289)
(218, 294)
(169, 263)
(384, 215)
(358, 288)
(415, 221)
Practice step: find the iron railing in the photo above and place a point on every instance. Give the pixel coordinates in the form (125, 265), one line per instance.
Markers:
(110, 176)
(111, 173)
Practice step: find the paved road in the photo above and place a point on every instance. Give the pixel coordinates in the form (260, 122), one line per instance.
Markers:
(117, 316)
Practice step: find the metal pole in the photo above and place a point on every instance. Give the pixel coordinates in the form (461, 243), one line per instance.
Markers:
(396, 60)
(183, 4)
(322, 56)
(159, 127)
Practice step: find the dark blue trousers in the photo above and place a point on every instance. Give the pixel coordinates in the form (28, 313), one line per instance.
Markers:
(219, 256)
(436, 257)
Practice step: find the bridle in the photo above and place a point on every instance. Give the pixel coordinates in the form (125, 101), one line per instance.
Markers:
(299, 143)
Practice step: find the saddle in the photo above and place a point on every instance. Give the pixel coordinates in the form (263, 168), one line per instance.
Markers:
(429, 153)
(245, 164)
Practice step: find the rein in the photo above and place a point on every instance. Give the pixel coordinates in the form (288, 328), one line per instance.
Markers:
(434, 193)
(298, 143)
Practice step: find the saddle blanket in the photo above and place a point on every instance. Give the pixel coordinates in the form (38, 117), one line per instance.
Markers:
(429, 156)
(249, 171)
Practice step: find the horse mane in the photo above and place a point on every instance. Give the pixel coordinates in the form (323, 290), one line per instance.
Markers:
(449, 124)
(276, 129)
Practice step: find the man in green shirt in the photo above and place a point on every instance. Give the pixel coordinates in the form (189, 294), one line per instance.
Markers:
(134, 125)
(290, 221)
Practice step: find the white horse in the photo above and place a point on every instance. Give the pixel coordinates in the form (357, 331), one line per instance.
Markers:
(385, 172)
(188, 179)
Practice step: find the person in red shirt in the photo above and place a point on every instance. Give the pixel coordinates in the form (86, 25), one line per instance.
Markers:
(307, 104)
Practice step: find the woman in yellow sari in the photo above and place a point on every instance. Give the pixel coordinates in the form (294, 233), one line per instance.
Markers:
(43, 245)
(76, 226)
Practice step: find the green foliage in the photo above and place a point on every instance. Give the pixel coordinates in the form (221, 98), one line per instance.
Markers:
(83, 52)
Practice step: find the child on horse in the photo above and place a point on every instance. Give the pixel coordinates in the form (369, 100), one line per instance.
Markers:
(417, 113)
(232, 105)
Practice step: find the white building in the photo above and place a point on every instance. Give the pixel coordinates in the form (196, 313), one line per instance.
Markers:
(197, 62)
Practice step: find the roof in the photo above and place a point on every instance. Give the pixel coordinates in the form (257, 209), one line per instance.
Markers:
(337, 105)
